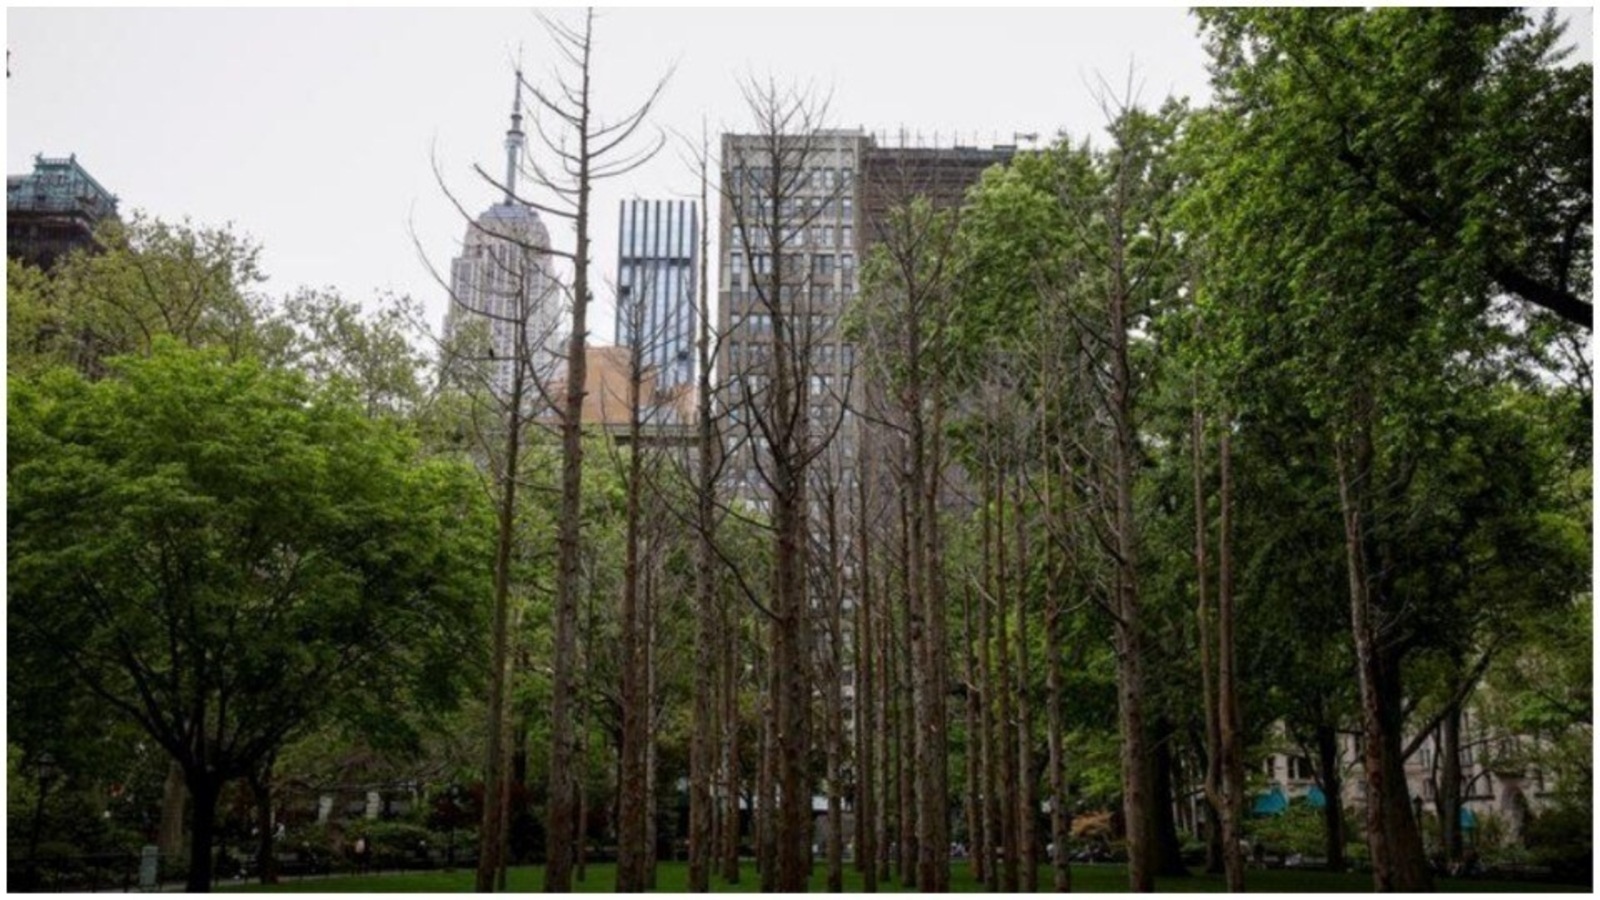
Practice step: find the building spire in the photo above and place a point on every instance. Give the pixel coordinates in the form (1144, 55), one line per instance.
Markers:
(514, 142)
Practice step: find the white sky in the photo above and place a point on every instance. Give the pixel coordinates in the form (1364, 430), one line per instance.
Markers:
(312, 130)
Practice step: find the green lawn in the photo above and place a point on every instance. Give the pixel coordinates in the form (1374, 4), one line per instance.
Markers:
(673, 877)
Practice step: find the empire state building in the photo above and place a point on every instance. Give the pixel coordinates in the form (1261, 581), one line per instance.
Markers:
(505, 308)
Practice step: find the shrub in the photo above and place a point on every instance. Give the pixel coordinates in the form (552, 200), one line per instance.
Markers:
(393, 844)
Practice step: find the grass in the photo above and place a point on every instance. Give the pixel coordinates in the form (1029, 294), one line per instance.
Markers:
(672, 877)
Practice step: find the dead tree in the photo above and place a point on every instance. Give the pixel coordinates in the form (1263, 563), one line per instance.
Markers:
(771, 180)
(580, 149)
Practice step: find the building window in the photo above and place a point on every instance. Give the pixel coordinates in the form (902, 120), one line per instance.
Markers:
(847, 235)
(822, 264)
(846, 207)
(847, 262)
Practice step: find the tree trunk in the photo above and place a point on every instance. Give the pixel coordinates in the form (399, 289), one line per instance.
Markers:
(1027, 793)
(730, 736)
(906, 815)
(987, 724)
(169, 840)
(766, 818)
(1393, 842)
(491, 839)
(1170, 847)
(1218, 858)
(1448, 796)
(561, 833)
(635, 702)
(1137, 798)
(1060, 864)
(1332, 783)
(933, 747)
(888, 779)
(261, 793)
(1009, 836)
(833, 692)
(204, 789)
(974, 794)
(1229, 719)
(866, 701)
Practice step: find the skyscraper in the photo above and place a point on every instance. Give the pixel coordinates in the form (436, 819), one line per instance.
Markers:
(657, 267)
(502, 283)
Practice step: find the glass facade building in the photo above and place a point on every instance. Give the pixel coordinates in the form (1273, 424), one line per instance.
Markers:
(658, 260)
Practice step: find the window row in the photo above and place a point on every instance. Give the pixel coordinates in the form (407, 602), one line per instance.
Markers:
(758, 178)
(793, 263)
(811, 326)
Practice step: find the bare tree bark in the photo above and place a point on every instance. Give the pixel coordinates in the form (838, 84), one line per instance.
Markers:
(1027, 793)
(906, 816)
(1009, 836)
(586, 150)
(988, 724)
(866, 694)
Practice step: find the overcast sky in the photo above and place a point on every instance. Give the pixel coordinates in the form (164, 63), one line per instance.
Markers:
(315, 131)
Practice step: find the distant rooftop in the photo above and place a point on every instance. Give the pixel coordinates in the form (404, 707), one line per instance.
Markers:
(59, 186)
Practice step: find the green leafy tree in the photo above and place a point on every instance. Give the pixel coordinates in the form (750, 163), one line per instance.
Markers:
(1462, 123)
(222, 555)
(153, 278)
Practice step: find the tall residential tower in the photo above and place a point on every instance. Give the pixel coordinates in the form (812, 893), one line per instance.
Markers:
(657, 267)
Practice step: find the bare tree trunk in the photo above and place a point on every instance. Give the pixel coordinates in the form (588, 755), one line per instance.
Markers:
(491, 839)
(833, 692)
(974, 798)
(988, 726)
(1061, 866)
(1009, 836)
(730, 757)
(702, 749)
(906, 816)
(766, 818)
(652, 791)
(1027, 793)
(866, 696)
(888, 779)
(591, 151)
(936, 805)
(632, 815)
(1137, 799)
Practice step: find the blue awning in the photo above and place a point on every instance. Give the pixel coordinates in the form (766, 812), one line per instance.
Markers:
(1469, 820)
(1272, 803)
(1315, 798)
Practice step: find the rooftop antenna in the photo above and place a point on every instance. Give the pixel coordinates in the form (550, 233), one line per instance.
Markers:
(514, 138)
